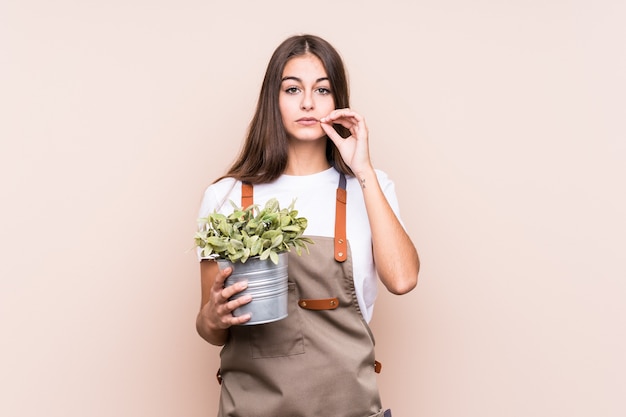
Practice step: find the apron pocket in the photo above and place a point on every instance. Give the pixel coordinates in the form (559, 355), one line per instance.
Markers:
(279, 338)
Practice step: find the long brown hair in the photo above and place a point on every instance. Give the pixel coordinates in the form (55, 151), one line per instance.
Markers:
(263, 157)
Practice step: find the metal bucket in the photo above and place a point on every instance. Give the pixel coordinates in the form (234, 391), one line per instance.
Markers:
(267, 284)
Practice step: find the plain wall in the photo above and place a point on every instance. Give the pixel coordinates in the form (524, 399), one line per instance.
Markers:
(501, 122)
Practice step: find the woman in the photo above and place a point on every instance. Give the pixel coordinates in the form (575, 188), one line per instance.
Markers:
(304, 142)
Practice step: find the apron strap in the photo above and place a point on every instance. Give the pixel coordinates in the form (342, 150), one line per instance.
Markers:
(341, 241)
(247, 195)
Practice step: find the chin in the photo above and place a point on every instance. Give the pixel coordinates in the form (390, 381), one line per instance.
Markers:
(309, 137)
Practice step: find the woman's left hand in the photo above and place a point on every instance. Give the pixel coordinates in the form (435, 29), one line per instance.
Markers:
(355, 148)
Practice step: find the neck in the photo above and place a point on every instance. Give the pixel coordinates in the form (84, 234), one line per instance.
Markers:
(306, 158)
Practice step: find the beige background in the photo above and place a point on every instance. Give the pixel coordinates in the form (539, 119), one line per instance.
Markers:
(502, 122)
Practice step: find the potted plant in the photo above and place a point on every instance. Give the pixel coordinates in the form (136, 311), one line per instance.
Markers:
(255, 242)
(249, 232)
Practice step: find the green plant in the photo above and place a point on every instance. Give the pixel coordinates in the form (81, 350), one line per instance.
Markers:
(252, 232)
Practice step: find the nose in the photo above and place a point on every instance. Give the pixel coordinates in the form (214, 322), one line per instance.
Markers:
(307, 101)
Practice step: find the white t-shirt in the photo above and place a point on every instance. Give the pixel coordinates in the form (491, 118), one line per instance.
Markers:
(315, 199)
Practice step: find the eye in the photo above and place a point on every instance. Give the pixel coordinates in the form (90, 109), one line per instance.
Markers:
(292, 90)
(323, 91)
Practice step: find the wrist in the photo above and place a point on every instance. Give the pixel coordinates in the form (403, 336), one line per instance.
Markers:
(364, 171)
(365, 176)
(209, 331)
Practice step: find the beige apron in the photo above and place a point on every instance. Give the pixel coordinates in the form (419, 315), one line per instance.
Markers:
(317, 362)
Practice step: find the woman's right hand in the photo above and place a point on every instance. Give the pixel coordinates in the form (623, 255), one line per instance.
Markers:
(216, 312)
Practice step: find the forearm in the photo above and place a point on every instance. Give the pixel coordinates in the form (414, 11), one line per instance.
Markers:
(396, 259)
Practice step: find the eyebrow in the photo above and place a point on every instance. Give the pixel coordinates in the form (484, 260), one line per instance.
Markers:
(300, 80)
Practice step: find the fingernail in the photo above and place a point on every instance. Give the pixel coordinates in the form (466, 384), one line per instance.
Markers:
(243, 284)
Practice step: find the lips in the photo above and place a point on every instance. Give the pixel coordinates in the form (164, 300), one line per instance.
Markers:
(307, 121)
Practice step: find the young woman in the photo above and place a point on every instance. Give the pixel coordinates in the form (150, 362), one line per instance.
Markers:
(304, 142)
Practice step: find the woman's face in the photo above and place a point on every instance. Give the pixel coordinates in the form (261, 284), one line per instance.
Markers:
(305, 97)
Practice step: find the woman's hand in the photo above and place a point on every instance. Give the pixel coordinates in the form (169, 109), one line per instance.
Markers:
(216, 312)
(355, 148)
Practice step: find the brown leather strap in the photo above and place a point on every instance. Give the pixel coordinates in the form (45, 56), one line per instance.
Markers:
(378, 367)
(341, 242)
(320, 304)
(247, 194)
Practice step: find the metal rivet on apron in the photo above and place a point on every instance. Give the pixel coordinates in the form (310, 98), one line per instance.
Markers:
(340, 240)
(340, 254)
(302, 303)
(332, 302)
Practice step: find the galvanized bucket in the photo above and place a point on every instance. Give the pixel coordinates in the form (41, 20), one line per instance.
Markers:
(267, 284)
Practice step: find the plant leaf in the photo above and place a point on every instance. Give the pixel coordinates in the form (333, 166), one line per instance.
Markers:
(270, 234)
(272, 205)
(257, 247)
(276, 241)
(216, 242)
(274, 257)
(245, 255)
